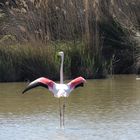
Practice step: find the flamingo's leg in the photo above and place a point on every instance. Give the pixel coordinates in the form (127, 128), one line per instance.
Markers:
(64, 105)
(60, 113)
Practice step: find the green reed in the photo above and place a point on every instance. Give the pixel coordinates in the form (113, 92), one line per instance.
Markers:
(30, 61)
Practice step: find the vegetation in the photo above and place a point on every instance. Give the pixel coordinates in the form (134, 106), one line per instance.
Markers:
(98, 38)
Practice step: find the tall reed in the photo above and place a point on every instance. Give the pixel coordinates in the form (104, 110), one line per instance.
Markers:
(26, 62)
(95, 35)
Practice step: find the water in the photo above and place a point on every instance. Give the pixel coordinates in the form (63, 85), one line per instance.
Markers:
(106, 109)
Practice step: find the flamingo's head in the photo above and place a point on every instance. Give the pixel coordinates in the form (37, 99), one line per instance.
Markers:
(61, 54)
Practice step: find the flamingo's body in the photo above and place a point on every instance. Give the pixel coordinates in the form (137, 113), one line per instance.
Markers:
(58, 90)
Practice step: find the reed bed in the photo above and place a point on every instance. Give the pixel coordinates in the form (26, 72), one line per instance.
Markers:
(28, 62)
(98, 38)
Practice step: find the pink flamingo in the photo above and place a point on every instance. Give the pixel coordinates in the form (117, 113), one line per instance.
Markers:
(58, 90)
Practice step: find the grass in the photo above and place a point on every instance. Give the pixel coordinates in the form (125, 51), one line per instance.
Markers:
(26, 62)
(30, 61)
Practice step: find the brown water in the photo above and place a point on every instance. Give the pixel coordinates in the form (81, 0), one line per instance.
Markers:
(106, 109)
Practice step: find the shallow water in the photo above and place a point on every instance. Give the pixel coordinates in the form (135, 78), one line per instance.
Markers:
(106, 109)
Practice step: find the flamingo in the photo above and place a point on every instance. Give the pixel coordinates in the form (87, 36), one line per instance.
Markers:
(58, 89)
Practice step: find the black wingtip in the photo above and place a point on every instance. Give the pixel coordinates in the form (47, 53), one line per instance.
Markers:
(31, 86)
(24, 91)
(79, 85)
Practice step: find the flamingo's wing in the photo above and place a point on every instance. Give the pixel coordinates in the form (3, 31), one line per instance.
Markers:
(77, 82)
(44, 82)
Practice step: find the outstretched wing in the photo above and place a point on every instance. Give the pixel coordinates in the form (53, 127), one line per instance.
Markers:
(77, 82)
(44, 82)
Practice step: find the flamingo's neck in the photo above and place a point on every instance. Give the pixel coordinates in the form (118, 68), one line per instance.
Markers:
(61, 69)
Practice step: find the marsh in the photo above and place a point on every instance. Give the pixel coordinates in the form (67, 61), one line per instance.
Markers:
(104, 109)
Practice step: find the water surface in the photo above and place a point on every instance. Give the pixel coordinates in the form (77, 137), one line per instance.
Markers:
(107, 109)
